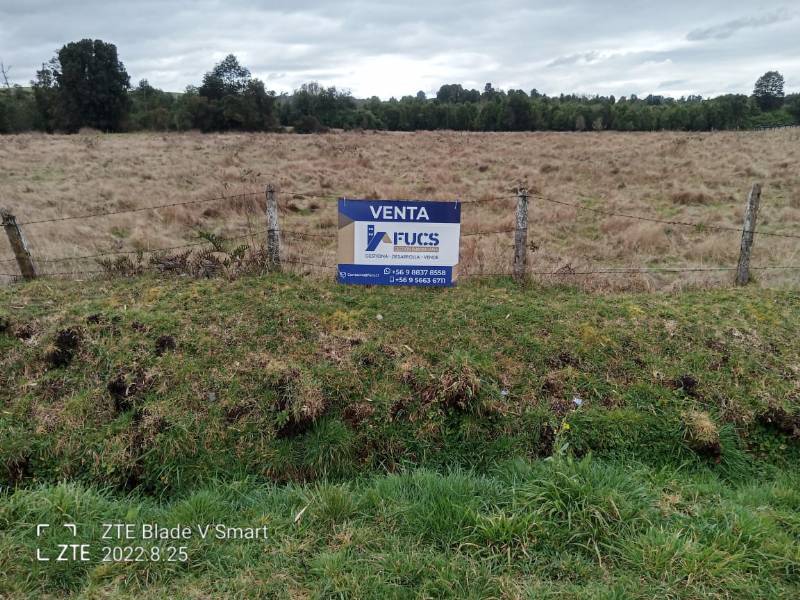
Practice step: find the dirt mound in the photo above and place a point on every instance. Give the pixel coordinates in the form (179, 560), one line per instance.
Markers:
(62, 351)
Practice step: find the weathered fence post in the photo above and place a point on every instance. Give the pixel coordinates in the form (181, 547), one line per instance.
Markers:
(521, 235)
(748, 233)
(273, 231)
(19, 245)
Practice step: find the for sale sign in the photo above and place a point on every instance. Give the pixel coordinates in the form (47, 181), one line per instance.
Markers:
(398, 242)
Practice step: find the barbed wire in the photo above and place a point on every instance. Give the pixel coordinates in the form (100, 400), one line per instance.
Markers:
(288, 232)
(489, 199)
(493, 232)
(33, 302)
(297, 233)
(564, 271)
(321, 196)
(75, 273)
(310, 264)
(621, 271)
(637, 271)
(300, 195)
(47, 260)
(141, 209)
(665, 221)
(695, 225)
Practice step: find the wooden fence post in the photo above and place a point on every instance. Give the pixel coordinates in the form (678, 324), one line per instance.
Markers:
(521, 235)
(19, 245)
(273, 231)
(750, 217)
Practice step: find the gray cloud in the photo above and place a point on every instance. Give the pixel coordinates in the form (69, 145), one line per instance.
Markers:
(573, 59)
(727, 29)
(673, 83)
(373, 47)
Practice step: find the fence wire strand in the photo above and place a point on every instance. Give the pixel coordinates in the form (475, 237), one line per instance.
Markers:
(465, 275)
(297, 233)
(493, 232)
(309, 264)
(321, 196)
(695, 225)
(665, 221)
(48, 260)
(141, 209)
(561, 272)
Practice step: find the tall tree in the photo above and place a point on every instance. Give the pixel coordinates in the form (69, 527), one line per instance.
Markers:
(518, 111)
(230, 98)
(793, 106)
(150, 107)
(328, 106)
(227, 78)
(768, 90)
(45, 94)
(455, 93)
(85, 85)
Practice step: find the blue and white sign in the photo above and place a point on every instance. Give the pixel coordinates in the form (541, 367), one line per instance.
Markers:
(398, 242)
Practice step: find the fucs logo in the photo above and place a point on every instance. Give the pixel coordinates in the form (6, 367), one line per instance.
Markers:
(375, 238)
(416, 240)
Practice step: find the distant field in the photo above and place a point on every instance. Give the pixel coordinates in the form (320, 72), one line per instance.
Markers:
(675, 176)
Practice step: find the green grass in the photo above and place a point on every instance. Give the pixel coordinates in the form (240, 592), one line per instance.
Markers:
(433, 436)
(561, 528)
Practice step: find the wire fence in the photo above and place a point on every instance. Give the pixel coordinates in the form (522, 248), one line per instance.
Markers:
(256, 237)
(695, 225)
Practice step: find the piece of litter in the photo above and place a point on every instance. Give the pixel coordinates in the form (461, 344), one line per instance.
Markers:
(577, 401)
(299, 515)
(504, 392)
(379, 317)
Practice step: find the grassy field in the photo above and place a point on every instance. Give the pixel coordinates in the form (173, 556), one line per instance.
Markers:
(560, 529)
(673, 176)
(482, 441)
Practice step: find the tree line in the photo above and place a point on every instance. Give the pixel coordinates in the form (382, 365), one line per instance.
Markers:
(85, 85)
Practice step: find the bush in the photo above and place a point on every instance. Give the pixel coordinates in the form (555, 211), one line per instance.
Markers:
(309, 124)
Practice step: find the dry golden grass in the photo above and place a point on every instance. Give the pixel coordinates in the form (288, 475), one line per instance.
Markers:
(697, 177)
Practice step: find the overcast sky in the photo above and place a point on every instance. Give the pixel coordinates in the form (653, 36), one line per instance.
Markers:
(706, 47)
